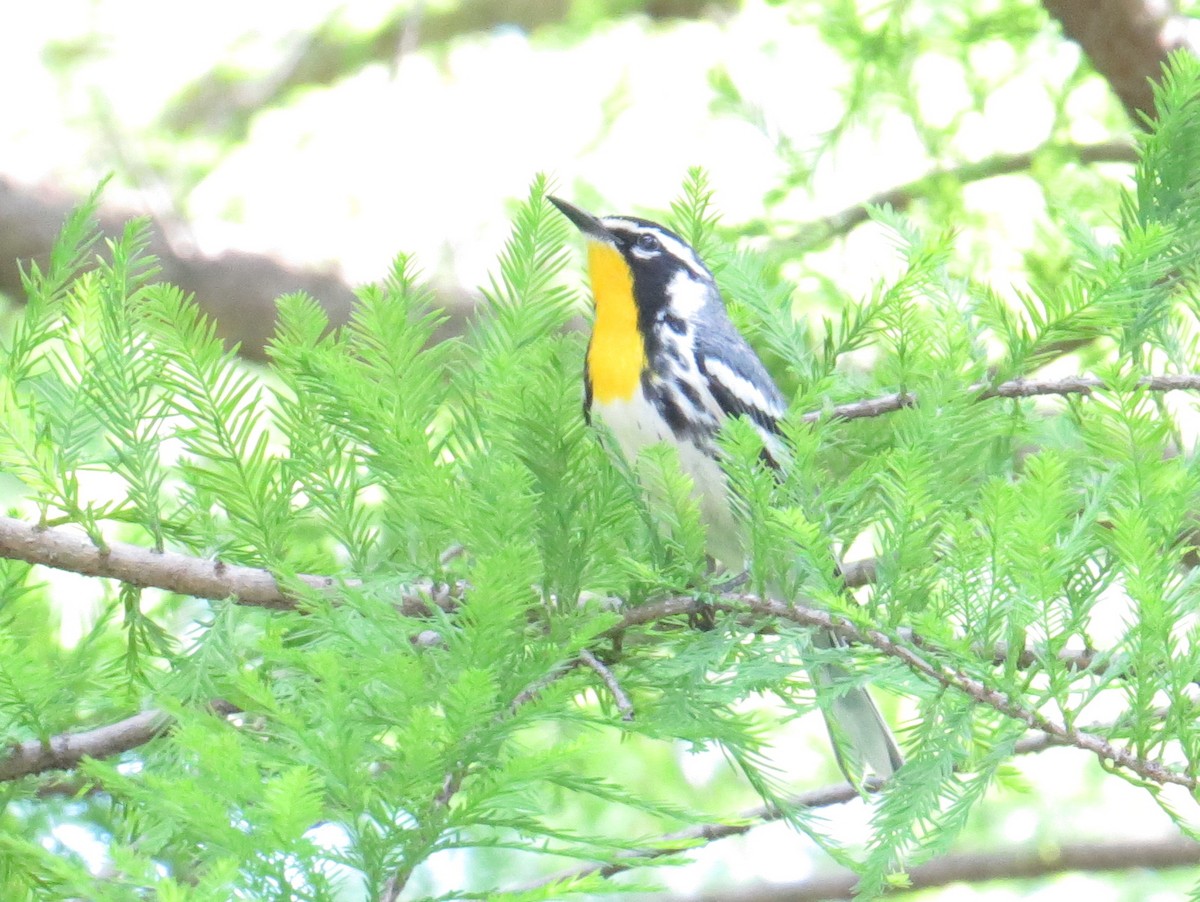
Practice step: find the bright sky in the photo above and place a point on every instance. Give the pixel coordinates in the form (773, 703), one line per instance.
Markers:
(424, 157)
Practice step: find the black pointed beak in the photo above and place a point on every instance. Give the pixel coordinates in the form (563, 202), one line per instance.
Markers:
(585, 222)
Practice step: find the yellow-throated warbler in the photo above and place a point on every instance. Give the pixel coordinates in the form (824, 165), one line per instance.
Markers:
(666, 364)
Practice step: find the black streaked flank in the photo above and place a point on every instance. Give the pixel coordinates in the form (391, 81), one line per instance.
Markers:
(689, 391)
(736, 406)
(667, 404)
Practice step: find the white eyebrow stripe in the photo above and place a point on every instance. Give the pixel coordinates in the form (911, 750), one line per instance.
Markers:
(683, 252)
(673, 246)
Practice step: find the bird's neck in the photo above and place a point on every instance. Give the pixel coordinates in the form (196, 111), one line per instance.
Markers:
(617, 353)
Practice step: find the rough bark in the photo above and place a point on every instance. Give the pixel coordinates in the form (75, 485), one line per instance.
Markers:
(1128, 42)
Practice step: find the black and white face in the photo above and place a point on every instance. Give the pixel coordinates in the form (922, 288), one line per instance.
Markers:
(648, 244)
(665, 268)
(668, 280)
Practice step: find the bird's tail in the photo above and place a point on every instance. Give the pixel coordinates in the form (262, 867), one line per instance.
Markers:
(861, 739)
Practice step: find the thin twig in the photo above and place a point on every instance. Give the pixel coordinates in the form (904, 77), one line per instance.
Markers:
(681, 840)
(1015, 388)
(610, 680)
(674, 843)
(1153, 771)
(394, 885)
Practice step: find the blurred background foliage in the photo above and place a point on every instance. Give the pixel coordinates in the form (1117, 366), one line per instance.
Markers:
(321, 141)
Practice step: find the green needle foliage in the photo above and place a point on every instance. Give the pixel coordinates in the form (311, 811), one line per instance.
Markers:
(461, 749)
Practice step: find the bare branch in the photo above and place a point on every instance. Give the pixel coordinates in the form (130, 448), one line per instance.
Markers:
(171, 571)
(1014, 388)
(587, 659)
(812, 234)
(980, 867)
(66, 750)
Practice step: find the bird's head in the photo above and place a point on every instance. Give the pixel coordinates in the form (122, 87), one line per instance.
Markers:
(635, 260)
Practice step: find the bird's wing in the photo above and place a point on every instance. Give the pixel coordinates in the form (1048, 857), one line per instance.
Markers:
(741, 386)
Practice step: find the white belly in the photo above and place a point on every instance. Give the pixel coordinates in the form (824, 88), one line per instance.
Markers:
(636, 425)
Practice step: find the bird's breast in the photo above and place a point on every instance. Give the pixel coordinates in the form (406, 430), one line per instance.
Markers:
(636, 423)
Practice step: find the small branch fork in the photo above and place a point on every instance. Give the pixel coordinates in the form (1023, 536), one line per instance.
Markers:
(393, 887)
(624, 705)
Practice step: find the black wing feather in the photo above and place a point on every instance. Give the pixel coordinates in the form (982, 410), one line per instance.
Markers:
(725, 345)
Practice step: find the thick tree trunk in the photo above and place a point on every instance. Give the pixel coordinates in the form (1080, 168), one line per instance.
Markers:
(1127, 41)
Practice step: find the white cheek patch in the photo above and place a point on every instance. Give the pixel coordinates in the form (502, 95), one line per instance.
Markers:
(688, 296)
(741, 388)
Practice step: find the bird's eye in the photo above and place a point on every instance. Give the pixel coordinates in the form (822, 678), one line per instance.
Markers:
(648, 242)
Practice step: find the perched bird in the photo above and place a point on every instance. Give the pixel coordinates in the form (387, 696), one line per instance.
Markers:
(666, 364)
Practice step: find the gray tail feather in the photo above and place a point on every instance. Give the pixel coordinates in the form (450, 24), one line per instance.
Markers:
(861, 738)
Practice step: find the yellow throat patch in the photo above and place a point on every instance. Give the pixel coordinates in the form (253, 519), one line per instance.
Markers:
(616, 355)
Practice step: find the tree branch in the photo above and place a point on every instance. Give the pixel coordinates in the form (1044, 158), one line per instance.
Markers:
(1014, 388)
(624, 705)
(66, 750)
(171, 571)
(901, 197)
(237, 289)
(685, 840)
(979, 867)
